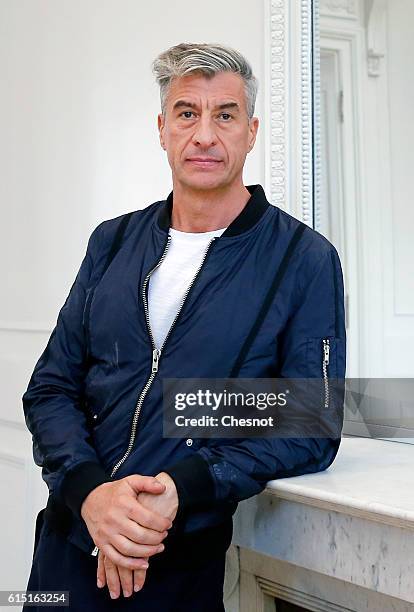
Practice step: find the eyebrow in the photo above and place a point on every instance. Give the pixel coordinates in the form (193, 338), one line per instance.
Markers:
(225, 105)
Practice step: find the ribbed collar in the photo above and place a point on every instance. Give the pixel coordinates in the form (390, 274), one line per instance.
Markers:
(255, 207)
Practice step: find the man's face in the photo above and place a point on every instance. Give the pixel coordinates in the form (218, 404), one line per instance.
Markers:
(206, 130)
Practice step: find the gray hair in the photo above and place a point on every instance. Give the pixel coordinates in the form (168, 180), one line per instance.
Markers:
(207, 59)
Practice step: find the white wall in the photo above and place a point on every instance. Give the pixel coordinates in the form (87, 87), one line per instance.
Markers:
(399, 220)
(78, 108)
(78, 123)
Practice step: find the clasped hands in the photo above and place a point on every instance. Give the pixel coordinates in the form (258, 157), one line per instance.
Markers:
(128, 519)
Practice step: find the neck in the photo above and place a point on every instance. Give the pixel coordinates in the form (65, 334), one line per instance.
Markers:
(204, 210)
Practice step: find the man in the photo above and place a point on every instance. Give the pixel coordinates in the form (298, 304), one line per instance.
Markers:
(212, 282)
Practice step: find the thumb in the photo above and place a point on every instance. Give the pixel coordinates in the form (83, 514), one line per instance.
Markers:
(145, 483)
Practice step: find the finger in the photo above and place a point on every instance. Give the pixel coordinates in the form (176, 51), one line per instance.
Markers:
(142, 535)
(139, 579)
(112, 578)
(148, 518)
(128, 548)
(126, 577)
(145, 483)
(120, 560)
(100, 574)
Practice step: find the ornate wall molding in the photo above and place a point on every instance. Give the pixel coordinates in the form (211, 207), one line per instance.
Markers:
(307, 120)
(292, 98)
(317, 121)
(347, 9)
(278, 85)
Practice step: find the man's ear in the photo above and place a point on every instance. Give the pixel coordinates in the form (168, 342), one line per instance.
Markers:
(161, 129)
(253, 127)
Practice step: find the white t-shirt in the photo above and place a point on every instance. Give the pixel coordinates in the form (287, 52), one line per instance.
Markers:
(169, 282)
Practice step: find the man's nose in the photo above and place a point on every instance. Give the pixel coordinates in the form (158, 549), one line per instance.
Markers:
(204, 133)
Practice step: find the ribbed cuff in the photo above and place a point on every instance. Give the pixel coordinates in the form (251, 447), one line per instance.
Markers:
(194, 482)
(79, 482)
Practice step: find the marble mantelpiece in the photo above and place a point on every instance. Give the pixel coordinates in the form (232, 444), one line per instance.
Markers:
(353, 523)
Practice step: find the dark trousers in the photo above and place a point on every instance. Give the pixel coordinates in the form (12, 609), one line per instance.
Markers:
(60, 566)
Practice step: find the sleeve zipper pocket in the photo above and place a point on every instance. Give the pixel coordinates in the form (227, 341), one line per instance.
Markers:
(325, 363)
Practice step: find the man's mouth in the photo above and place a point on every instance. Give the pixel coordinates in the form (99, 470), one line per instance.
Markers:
(204, 162)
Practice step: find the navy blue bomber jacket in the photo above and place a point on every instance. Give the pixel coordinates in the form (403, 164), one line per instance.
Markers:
(268, 293)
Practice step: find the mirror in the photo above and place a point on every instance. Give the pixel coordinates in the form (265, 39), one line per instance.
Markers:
(365, 201)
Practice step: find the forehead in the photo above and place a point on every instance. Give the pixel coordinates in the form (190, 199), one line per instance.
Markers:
(222, 87)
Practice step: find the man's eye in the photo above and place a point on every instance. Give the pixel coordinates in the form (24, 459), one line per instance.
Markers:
(226, 116)
(187, 114)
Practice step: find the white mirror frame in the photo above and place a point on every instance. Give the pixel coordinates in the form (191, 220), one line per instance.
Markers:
(292, 77)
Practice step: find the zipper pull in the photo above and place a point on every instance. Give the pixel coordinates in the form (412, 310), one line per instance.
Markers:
(326, 349)
(155, 358)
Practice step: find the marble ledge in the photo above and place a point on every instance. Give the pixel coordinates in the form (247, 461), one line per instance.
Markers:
(369, 479)
(352, 523)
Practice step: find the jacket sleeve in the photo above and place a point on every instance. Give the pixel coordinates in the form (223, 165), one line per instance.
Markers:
(232, 472)
(52, 402)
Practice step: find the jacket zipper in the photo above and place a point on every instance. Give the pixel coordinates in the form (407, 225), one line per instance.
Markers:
(156, 353)
(325, 363)
(154, 368)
